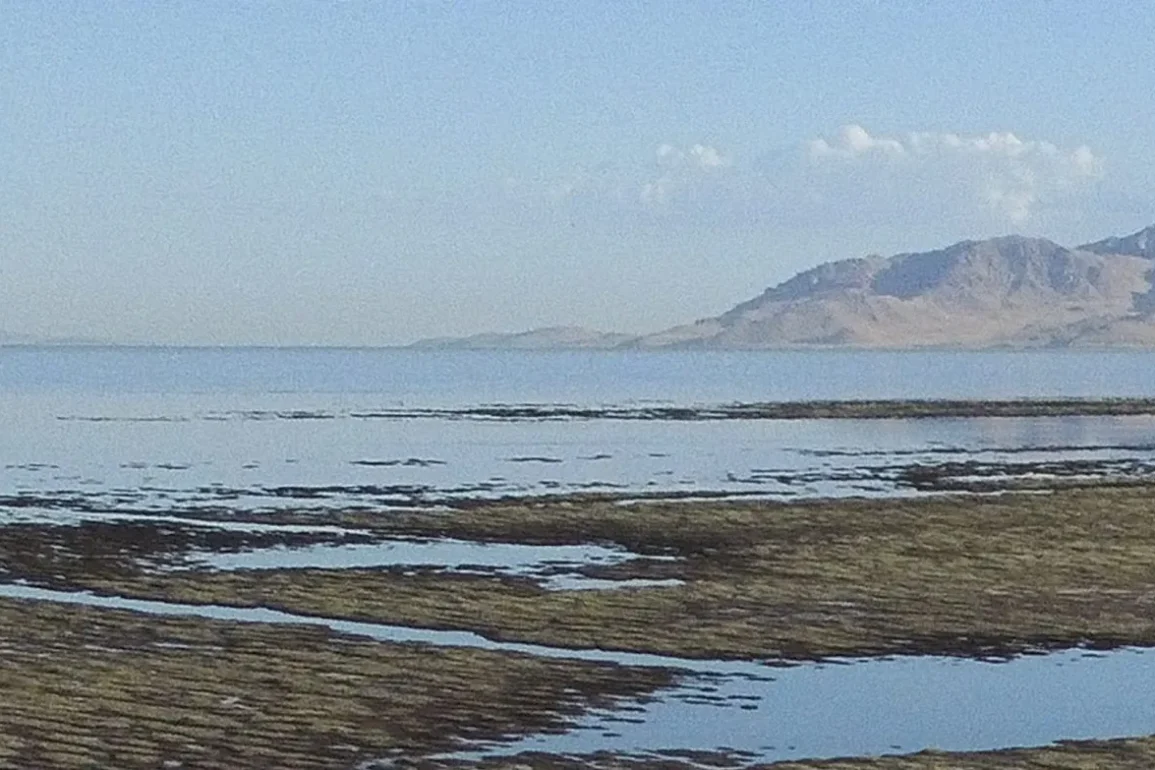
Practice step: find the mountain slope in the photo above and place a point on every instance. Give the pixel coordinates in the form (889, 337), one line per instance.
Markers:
(1140, 244)
(1003, 291)
(1008, 291)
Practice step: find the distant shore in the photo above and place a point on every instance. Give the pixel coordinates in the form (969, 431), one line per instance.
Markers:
(802, 410)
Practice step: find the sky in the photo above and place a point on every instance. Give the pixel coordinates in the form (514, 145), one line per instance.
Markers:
(372, 172)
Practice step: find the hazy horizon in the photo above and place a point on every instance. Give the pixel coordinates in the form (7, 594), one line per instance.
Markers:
(363, 173)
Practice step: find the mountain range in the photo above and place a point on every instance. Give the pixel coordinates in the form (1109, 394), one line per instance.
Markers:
(1010, 291)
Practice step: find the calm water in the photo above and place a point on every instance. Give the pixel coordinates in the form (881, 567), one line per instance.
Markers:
(427, 378)
(129, 433)
(157, 429)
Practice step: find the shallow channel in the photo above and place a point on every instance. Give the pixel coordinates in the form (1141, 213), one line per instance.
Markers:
(842, 708)
(555, 567)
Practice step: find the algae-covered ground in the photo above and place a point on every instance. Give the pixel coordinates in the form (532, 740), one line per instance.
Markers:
(967, 575)
(986, 575)
(89, 688)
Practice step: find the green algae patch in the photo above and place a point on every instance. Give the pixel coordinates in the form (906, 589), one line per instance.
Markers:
(967, 575)
(89, 688)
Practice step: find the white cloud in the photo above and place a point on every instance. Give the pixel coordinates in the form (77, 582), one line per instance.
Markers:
(991, 180)
(697, 156)
(680, 170)
(708, 157)
(853, 141)
(1008, 177)
(970, 183)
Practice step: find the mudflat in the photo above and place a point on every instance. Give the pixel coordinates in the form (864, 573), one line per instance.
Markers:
(967, 575)
(97, 688)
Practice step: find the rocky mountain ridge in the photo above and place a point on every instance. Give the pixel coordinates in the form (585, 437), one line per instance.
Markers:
(1007, 291)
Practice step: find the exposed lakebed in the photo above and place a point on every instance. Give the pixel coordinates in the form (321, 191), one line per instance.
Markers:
(759, 713)
(748, 711)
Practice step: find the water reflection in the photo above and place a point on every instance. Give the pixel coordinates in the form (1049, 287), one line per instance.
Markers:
(376, 465)
(555, 567)
(847, 708)
(888, 706)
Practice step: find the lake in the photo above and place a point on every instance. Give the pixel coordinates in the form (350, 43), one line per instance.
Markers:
(159, 434)
(156, 428)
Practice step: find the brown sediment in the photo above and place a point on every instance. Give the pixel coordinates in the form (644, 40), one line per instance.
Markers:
(88, 688)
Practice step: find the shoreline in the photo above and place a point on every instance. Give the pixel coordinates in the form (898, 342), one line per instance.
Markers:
(837, 409)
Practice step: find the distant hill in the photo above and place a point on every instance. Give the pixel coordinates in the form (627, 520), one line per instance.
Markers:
(1008, 291)
(554, 337)
(1141, 244)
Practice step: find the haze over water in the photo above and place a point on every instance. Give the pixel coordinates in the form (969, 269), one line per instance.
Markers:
(461, 378)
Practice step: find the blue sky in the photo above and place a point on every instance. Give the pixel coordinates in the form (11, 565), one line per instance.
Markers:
(363, 172)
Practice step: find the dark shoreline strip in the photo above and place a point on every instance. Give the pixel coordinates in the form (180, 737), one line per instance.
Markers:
(793, 410)
(868, 409)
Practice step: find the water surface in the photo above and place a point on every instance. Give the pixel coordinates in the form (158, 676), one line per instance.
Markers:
(165, 434)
